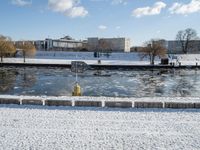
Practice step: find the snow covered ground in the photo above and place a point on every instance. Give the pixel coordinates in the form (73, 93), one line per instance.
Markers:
(85, 55)
(62, 61)
(44, 57)
(31, 127)
(187, 59)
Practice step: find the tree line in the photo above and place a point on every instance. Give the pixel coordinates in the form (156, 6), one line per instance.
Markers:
(152, 49)
(155, 48)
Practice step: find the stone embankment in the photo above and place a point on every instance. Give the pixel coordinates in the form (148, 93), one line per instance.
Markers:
(97, 102)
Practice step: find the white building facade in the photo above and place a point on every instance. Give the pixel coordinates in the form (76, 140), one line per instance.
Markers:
(63, 44)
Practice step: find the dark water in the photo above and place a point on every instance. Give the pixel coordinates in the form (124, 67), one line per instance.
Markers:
(59, 82)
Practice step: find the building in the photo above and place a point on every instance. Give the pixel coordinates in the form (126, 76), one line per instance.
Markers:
(115, 44)
(136, 49)
(63, 44)
(91, 44)
(174, 46)
(40, 44)
(22, 42)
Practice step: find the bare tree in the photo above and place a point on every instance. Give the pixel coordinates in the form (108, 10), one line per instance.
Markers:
(27, 48)
(153, 49)
(102, 46)
(185, 37)
(6, 47)
(105, 46)
(92, 47)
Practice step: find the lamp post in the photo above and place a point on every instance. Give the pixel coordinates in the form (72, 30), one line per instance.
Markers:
(24, 53)
(1, 56)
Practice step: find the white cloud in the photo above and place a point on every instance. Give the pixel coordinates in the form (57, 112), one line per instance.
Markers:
(102, 27)
(117, 27)
(147, 11)
(69, 8)
(158, 31)
(77, 12)
(184, 9)
(21, 2)
(114, 2)
(61, 5)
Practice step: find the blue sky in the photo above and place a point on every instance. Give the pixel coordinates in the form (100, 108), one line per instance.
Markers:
(140, 20)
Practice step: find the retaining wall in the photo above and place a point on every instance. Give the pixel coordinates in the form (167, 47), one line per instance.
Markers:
(148, 104)
(101, 66)
(179, 105)
(88, 103)
(109, 104)
(196, 105)
(58, 103)
(32, 102)
(9, 101)
(121, 104)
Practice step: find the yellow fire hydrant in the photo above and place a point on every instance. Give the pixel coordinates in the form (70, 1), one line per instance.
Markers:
(77, 90)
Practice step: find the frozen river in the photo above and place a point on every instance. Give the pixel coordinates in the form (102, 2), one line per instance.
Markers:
(132, 83)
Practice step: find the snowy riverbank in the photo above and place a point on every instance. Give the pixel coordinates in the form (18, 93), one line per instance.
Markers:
(115, 59)
(68, 62)
(30, 127)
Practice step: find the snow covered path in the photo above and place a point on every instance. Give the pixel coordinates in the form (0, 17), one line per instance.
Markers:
(68, 62)
(31, 127)
(44, 57)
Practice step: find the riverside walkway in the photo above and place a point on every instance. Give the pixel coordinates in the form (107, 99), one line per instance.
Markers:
(93, 64)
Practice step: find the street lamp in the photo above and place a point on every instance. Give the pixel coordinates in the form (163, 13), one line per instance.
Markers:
(1, 56)
(24, 53)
